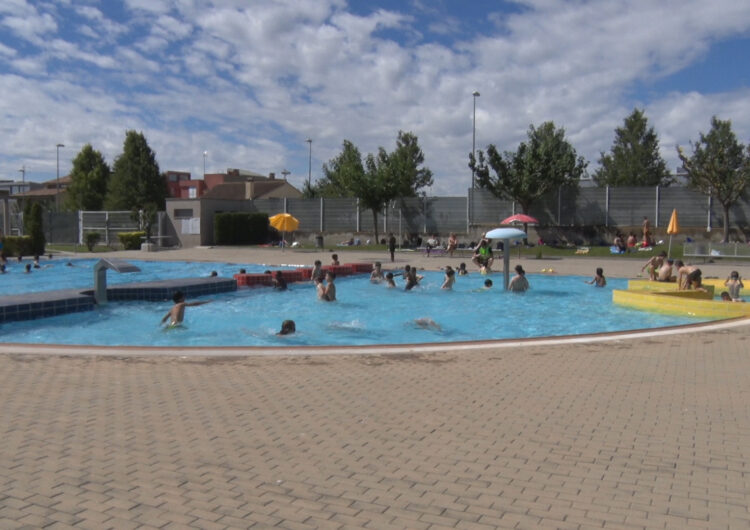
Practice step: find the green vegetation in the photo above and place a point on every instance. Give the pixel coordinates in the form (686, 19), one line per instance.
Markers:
(92, 239)
(380, 179)
(18, 246)
(719, 166)
(35, 229)
(544, 163)
(634, 158)
(136, 181)
(89, 179)
(131, 240)
(240, 228)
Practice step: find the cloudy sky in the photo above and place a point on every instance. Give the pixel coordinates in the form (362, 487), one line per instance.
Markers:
(248, 81)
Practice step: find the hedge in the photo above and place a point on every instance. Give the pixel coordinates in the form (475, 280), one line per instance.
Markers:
(131, 240)
(240, 228)
(18, 246)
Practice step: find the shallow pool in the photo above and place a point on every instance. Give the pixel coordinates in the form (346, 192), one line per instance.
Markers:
(56, 274)
(364, 314)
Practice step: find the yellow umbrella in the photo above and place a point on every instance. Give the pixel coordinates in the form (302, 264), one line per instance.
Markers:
(285, 223)
(673, 228)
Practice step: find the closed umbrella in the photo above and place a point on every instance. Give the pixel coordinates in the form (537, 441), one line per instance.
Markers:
(284, 222)
(673, 228)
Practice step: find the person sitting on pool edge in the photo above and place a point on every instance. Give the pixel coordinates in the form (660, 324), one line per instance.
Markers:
(519, 283)
(287, 328)
(482, 257)
(177, 314)
(335, 260)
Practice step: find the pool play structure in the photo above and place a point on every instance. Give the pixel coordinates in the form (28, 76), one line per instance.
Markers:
(366, 315)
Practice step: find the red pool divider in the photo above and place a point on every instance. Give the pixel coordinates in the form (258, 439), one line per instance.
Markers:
(301, 274)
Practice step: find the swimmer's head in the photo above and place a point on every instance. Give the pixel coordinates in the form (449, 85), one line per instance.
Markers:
(288, 327)
(378, 265)
(488, 283)
(599, 271)
(243, 271)
(725, 297)
(734, 275)
(520, 270)
(462, 266)
(450, 272)
(330, 276)
(670, 261)
(178, 297)
(389, 275)
(214, 274)
(318, 263)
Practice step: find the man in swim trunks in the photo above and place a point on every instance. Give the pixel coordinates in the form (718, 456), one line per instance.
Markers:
(688, 276)
(177, 313)
(665, 272)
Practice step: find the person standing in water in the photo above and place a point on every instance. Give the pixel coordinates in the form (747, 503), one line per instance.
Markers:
(177, 314)
(519, 283)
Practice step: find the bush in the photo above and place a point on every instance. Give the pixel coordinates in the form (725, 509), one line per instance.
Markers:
(17, 246)
(240, 228)
(92, 239)
(131, 240)
(35, 230)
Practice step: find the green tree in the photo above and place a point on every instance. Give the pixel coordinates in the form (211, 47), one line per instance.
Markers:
(545, 162)
(381, 178)
(719, 166)
(35, 229)
(135, 180)
(634, 158)
(89, 179)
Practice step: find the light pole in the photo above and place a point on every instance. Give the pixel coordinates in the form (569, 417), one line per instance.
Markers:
(286, 173)
(205, 154)
(22, 171)
(309, 164)
(474, 136)
(57, 195)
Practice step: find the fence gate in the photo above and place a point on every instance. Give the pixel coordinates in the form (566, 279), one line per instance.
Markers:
(108, 224)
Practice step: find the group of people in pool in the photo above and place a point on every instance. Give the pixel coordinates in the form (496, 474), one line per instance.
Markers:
(4, 268)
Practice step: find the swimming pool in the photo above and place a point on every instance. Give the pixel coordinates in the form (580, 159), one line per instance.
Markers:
(365, 313)
(55, 274)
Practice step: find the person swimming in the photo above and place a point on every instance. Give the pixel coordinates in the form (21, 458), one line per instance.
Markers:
(389, 281)
(462, 269)
(287, 328)
(427, 323)
(177, 313)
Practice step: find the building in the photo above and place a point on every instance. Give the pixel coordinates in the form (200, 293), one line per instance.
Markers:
(180, 185)
(49, 194)
(18, 186)
(242, 184)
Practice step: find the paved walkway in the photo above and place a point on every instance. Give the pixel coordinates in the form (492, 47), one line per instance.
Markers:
(647, 433)
(638, 433)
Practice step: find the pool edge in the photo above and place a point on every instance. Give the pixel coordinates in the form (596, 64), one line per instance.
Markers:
(74, 350)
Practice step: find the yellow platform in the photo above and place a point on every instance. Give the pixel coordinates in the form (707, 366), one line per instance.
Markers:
(682, 303)
(648, 285)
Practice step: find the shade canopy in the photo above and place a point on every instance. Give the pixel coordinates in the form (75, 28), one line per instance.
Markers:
(505, 233)
(674, 224)
(519, 218)
(284, 222)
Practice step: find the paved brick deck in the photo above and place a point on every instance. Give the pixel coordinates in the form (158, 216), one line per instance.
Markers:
(650, 433)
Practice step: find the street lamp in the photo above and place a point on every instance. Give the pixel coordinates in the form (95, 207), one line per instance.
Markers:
(57, 195)
(309, 166)
(286, 173)
(474, 136)
(205, 154)
(22, 171)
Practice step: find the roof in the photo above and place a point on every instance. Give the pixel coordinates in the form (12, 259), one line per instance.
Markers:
(227, 191)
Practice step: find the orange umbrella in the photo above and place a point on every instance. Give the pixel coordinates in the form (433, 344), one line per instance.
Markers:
(673, 228)
(285, 223)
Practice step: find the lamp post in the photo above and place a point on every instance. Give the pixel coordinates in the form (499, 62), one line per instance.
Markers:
(309, 164)
(285, 172)
(57, 195)
(205, 154)
(22, 171)
(474, 135)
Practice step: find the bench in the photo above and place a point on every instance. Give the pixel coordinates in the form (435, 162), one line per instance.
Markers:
(716, 250)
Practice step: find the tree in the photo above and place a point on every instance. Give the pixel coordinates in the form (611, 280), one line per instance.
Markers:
(88, 181)
(719, 166)
(634, 158)
(544, 163)
(382, 178)
(35, 229)
(136, 180)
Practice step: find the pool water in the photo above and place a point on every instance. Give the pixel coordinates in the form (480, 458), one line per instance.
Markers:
(365, 313)
(55, 274)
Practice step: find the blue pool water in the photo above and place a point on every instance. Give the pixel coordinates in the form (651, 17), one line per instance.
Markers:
(365, 313)
(54, 274)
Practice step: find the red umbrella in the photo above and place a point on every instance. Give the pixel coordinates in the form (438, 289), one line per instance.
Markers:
(519, 218)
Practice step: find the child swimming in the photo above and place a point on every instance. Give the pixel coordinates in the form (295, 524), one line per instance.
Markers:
(598, 279)
(177, 313)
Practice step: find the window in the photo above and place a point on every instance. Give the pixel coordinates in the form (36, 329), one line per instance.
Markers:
(183, 213)
(192, 192)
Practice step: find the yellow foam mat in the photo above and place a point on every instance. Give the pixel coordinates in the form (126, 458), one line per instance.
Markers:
(683, 303)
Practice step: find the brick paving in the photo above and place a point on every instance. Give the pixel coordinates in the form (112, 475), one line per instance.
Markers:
(638, 433)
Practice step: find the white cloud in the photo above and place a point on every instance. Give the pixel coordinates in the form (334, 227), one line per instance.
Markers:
(251, 82)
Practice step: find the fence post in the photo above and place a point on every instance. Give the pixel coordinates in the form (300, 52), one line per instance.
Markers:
(80, 227)
(468, 210)
(708, 225)
(106, 228)
(285, 206)
(656, 220)
(606, 206)
(559, 205)
(358, 214)
(322, 224)
(424, 215)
